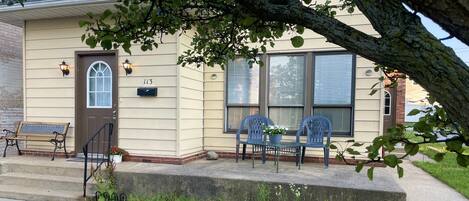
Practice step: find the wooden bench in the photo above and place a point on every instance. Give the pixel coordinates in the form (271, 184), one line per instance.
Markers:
(55, 133)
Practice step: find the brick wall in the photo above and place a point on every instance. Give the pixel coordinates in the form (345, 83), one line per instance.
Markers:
(400, 102)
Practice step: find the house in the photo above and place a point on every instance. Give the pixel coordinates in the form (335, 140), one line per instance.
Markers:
(395, 104)
(195, 109)
(416, 98)
(11, 86)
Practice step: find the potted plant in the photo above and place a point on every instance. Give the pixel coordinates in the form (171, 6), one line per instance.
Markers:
(116, 154)
(275, 133)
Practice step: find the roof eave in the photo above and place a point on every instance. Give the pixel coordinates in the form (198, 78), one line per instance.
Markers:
(17, 14)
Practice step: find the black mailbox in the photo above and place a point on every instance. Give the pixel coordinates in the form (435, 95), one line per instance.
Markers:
(147, 91)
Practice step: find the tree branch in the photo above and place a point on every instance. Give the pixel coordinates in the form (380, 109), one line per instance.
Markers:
(383, 14)
(334, 30)
(451, 15)
(446, 38)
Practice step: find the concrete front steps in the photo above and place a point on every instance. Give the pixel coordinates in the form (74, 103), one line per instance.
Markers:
(42, 181)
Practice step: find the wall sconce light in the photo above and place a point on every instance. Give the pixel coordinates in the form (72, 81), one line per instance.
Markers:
(65, 68)
(127, 67)
(213, 76)
(369, 73)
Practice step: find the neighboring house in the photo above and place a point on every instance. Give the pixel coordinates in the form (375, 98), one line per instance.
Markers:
(416, 98)
(196, 109)
(394, 105)
(11, 82)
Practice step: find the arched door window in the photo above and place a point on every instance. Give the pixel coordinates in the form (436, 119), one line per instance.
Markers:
(387, 103)
(99, 85)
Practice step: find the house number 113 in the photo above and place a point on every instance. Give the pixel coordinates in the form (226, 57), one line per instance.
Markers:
(147, 81)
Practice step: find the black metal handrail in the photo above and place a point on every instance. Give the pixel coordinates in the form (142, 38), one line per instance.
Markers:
(95, 153)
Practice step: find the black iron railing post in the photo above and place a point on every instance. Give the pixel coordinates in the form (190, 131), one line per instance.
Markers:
(85, 171)
(111, 127)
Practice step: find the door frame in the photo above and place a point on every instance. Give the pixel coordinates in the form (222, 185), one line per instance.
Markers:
(114, 53)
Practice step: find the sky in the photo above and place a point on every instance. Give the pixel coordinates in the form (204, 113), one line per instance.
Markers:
(461, 49)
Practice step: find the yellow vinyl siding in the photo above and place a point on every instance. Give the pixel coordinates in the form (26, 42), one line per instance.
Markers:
(191, 104)
(147, 126)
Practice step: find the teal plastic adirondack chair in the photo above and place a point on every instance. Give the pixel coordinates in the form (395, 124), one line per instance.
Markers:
(316, 127)
(253, 124)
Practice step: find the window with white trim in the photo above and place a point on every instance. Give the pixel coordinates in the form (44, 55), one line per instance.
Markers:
(99, 85)
(387, 103)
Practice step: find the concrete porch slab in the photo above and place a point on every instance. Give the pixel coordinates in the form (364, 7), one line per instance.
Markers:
(239, 181)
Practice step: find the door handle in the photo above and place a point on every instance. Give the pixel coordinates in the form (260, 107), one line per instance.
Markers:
(114, 114)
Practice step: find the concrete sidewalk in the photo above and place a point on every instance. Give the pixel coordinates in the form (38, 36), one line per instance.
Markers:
(420, 186)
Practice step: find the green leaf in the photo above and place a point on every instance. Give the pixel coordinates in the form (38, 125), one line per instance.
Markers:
(91, 41)
(465, 152)
(253, 38)
(441, 112)
(83, 37)
(357, 144)
(373, 91)
(391, 160)
(126, 47)
(359, 166)
(307, 1)
(370, 173)
(106, 44)
(272, 44)
(411, 149)
(106, 14)
(423, 127)
(90, 15)
(454, 145)
(338, 157)
(352, 151)
(439, 157)
(247, 21)
(377, 68)
(462, 160)
(332, 146)
(83, 23)
(300, 29)
(400, 171)
(297, 41)
(413, 112)
(144, 48)
(416, 139)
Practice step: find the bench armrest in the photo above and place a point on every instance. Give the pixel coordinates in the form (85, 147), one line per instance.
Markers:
(57, 134)
(7, 133)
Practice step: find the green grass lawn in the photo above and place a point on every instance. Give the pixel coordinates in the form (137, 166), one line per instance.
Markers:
(447, 171)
